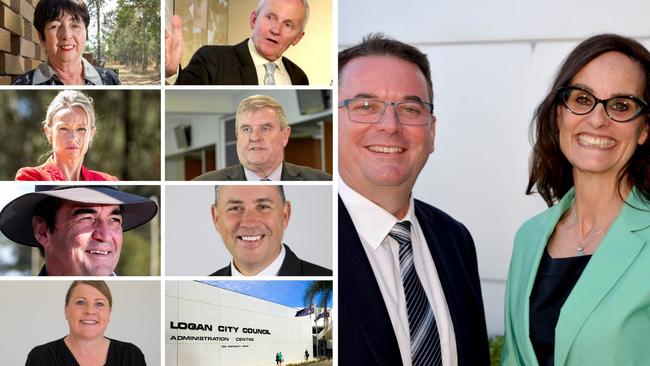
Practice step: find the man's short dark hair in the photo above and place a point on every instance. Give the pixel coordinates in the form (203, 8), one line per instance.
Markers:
(378, 44)
(49, 10)
(217, 190)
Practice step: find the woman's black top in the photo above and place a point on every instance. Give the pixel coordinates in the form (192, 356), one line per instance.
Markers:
(555, 280)
(56, 353)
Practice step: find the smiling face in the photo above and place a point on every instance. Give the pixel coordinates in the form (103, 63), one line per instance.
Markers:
(261, 140)
(277, 26)
(88, 312)
(69, 133)
(251, 221)
(65, 40)
(384, 154)
(593, 143)
(86, 240)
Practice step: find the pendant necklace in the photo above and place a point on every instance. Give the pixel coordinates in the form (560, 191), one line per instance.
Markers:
(591, 237)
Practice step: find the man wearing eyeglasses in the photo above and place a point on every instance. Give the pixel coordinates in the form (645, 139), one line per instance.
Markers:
(409, 290)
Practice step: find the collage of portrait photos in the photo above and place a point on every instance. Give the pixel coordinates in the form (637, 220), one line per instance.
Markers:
(176, 189)
(152, 152)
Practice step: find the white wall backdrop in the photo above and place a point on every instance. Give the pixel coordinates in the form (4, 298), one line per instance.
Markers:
(492, 63)
(31, 314)
(193, 247)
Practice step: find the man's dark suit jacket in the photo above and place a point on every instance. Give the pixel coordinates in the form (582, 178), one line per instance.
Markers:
(366, 335)
(291, 266)
(289, 172)
(229, 65)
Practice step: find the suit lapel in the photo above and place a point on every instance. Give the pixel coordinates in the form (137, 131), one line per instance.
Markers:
(538, 236)
(246, 65)
(290, 71)
(237, 173)
(290, 264)
(290, 172)
(360, 297)
(618, 250)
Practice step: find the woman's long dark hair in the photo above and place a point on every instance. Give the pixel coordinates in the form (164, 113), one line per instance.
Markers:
(550, 171)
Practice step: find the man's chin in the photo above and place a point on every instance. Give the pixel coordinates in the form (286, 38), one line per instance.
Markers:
(99, 271)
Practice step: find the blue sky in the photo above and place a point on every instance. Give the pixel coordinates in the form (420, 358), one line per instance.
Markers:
(288, 293)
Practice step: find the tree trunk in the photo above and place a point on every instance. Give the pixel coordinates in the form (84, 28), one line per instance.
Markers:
(98, 6)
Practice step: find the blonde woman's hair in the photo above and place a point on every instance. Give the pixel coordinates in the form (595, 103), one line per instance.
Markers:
(69, 99)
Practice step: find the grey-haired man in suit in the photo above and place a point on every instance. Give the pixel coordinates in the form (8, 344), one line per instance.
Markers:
(276, 25)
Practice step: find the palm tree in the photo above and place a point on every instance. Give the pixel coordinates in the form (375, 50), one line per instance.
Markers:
(318, 290)
(322, 292)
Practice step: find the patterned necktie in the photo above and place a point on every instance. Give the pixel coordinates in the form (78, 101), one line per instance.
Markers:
(270, 69)
(425, 341)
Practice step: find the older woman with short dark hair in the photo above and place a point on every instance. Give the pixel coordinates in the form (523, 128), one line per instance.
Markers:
(88, 306)
(578, 291)
(62, 27)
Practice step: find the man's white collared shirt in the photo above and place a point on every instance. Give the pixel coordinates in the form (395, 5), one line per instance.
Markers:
(272, 270)
(281, 75)
(373, 224)
(275, 175)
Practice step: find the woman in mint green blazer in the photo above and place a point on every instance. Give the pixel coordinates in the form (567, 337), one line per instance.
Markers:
(578, 291)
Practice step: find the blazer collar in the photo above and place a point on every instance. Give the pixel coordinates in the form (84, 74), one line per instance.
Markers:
(616, 252)
(246, 65)
(360, 296)
(291, 263)
(290, 172)
(237, 174)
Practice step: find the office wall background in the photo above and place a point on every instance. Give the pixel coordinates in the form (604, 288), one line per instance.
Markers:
(31, 314)
(193, 247)
(492, 63)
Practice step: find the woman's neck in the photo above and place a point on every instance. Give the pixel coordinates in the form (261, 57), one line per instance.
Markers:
(598, 200)
(88, 351)
(69, 73)
(84, 344)
(71, 168)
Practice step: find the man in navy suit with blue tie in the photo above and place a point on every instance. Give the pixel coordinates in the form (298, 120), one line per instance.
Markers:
(409, 289)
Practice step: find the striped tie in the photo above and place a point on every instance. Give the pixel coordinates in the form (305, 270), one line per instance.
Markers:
(425, 341)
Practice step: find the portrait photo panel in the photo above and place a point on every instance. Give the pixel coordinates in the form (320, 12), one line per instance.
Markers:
(194, 247)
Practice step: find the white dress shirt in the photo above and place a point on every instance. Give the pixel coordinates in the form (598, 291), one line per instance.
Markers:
(281, 75)
(272, 270)
(275, 175)
(373, 224)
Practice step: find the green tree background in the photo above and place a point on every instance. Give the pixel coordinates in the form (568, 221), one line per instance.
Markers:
(140, 254)
(132, 33)
(127, 142)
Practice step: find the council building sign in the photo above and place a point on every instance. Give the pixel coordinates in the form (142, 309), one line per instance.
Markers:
(207, 325)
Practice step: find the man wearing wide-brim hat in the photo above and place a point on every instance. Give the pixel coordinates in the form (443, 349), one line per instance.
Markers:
(78, 229)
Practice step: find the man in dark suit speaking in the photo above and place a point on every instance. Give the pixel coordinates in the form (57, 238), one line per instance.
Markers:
(251, 221)
(262, 131)
(409, 290)
(276, 25)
